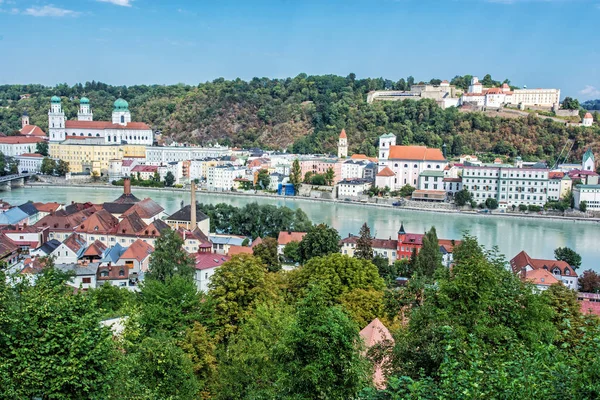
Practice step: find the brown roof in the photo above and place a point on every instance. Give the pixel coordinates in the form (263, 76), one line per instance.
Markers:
(384, 244)
(105, 125)
(130, 225)
(343, 134)
(7, 246)
(540, 277)
(146, 209)
(46, 207)
(234, 250)
(60, 221)
(386, 172)
(415, 153)
(138, 250)
(36, 155)
(95, 249)
(100, 222)
(154, 229)
(523, 260)
(287, 237)
(75, 242)
(20, 139)
(256, 242)
(32, 130)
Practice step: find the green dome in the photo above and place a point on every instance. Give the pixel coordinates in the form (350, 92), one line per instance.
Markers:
(121, 105)
(55, 99)
(84, 100)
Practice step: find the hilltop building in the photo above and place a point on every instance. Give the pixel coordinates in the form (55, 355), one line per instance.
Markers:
(30, 130)
(479, 96)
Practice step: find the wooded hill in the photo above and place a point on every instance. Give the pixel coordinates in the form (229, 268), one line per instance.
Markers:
(304, 114)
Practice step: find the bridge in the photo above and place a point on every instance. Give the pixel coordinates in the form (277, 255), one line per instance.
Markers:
(8, 182)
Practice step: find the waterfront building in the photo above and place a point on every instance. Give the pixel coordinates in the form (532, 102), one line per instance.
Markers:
(320, 165)
(12, 146)
(559, 185)
(120, 130)
(222, 177)
(590, 194)
(406, 163)
(359, 169)
(343, 145)
(29, 163)
(182, 218)
(522, 264)
(352, 187)
(162, 155)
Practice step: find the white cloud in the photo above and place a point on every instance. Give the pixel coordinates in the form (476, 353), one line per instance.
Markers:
(50, 11)
(122, 3)
(590, 91)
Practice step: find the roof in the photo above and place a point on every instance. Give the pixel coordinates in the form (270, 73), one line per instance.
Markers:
(522, 260)
(32, 130)
(210, 260)
(95, 249)
(588, 154)
(429, 172)
(34, 155)
(100, 222)
(105, 125)
(229, 240)
(386, 172)
(28, 208)
(343, 134)
(49, 246)
(63, 221)
(556, 175)
(415, 153)
(373, 334)
(76, 243)
(138, 250)
(540, 277)
(413, 238)
(448, 245)
(46, 207)
(384, 244)
(363, 157)
(256, 242)
(146, 209)
(125, 199)
(127, 163)
(588, 116)
(145, 168)
(130, 225)
(155, 228)
(20, 140)
(185, 214)
(79, 269)
(7, 246)
(287, 237)
(13, 216)
(234, 250)
(113, 254)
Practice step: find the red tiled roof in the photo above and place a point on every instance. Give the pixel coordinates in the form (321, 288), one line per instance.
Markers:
(74, 242)
(95, 249)
(384, 244)
(127, 163)
(138, 250)
(287, 237)
(210, 260)
(146, 209)
(416, 153)
(105, 125)
(588, 116)
(412, 238)
(523, 260)
(31, 155)
(234, 250)
(386, 172)
(448, 244)
(60, 221)
(540, 277)
(343, 134)
(363, 157)
(256, 242)
(46, 207)
(145, 168)
(556, 175)
(20, 139)
(100, 222)
(32, 130)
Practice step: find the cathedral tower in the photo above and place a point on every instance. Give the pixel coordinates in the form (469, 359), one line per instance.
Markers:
(56, 121)
(85, 111)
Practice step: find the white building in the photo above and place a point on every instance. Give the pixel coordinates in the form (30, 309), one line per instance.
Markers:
(588, 193)
(352, 187)
(497, 97)
(355, 169)
(70, 250)
(84, 276)
(431, 180)
(405, 162)
(588, 120)
(221, 177)
(508, 185)
(118, 131)
(12, 146)
(162, 155)
(29, 163)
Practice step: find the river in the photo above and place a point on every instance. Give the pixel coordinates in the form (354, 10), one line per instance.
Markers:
(539, 237)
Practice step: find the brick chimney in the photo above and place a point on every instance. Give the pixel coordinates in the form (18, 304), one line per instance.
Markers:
(193, 222)
(127, 186)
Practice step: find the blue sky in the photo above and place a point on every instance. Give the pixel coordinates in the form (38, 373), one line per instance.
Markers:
(538, 43)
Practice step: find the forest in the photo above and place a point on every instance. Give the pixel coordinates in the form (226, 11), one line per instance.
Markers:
(304, 114)
(475, 331)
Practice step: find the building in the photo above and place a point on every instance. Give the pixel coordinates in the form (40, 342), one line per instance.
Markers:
(287, 237)
(359, 169)
(343, 145)
(590, 194)
(444, 94)
(162, 155)
(352, 187)
(452, 185)
(482, 97)
(563, 272)
(320, 165)
(12, 146)
(29, 163)
(385, 248)
(30, 130)
(588, 161)
(405, 162)
(70, 250)
(9, 251)
(206, 265)
(118, 131)
(510, 186)
(588, 119)
(559, 185)
(222, 177)
(84, 274)
(431, 180)
(146, 172)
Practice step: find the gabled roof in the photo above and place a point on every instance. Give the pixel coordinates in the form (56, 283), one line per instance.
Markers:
(32, 130)
(49, 246)
(46, 207)
(60, 221)
(185, 215)
(28, 208)
(540, 277)
(138, 250)
(210, 260)
(7, 246)
(413, 238)
(12, 216)
(235, 250)
(130, 225)
(100, 222)
(375, 333)
(76, 243)
(384, 244)
(95, 249)
(287, 237)
(112, 254)
(154, 229)
(588, 154)
(522, 260)
(256, 242)
(420, 153)
(146, 209)
(125, 199)
(386, 172)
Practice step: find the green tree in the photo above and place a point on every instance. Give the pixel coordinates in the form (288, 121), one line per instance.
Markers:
(364, 243)
(583, 206)
(406, 190)
(263, 179)
(569, 256)
(169, 179)
(570, 104)
(429, 258)
(329, 176)
(296, 175)
(308, 177)
(62, 168)
(267, 251)
(320, 240)
(48, 166)
(169, 258)
(42, 148)
(200, 347)
(291, 252)
(491, 203)
(463, 197)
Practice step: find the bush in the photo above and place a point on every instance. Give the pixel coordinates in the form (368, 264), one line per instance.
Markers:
(491, 203)
(473, 204)
(533, 208)
(522, 207)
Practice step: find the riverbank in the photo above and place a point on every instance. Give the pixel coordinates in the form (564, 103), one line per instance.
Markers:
(335, 201)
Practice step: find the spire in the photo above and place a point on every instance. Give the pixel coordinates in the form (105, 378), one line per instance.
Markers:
(588, 154)
(343, 134)
(402, 231)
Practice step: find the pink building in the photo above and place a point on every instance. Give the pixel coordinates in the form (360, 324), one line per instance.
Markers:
(321, 165)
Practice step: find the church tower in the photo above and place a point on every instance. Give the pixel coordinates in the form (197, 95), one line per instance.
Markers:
(589, 162)
(85, 112)
(24, 119)
(56, 121)
(343, 145)
(121, 114)
(385, 143)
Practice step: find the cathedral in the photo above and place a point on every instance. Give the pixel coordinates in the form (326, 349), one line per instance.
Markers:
(118, 131)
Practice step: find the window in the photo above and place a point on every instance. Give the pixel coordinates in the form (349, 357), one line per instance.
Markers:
(104, 274)
(86, 280)
(122, 119)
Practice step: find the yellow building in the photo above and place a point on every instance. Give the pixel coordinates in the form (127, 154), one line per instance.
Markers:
(92, 155)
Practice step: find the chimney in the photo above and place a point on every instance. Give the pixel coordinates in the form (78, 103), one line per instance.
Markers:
(194, 224)
(127, 186)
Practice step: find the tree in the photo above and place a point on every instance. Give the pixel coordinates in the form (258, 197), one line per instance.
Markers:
(406, 190)
(462, 197)
(569, 256)
(491, 203)
(42, 148)
(296, 175)
(291, 251)
(570, 104)
(169, 179)
(589, 282)
(48, 166)
(62, 168)
(364, 244)
(320, 240)
(12, 165)
(236, 288)
(308, 177)
(267, 251)
(329, 176)
(169, 258)
(200, 347)
(264, 179)
(429, 258)
(583, 206)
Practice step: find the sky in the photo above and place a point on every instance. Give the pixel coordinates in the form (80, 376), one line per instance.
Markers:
(538, 43)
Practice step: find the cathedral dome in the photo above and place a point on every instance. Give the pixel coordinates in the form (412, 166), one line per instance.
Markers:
(121, 105)
(55, 99)
(84, 100)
